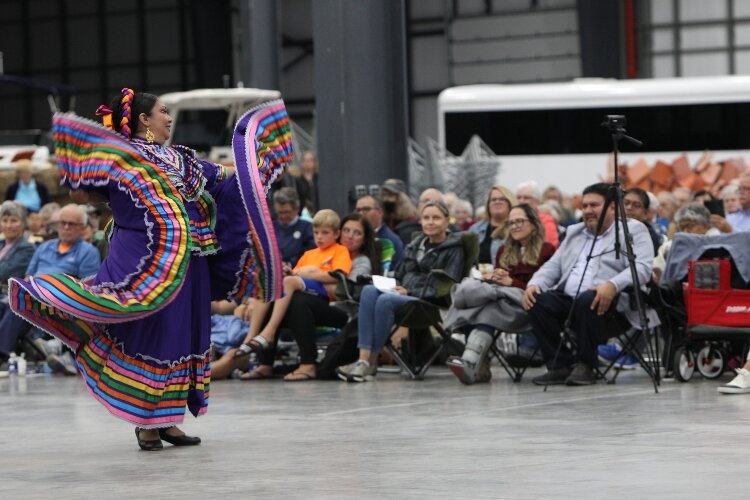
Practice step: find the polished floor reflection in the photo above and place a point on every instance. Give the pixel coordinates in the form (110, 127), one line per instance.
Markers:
(392, 438)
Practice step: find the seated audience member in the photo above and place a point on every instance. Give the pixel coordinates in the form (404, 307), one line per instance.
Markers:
(528, 192)
(682, 197)
(15, 250)
(287, 179)
(450, 198)
(740, 219)
(693, 218)
(637, 203)
(229, 324)
(652, 215)
(397, 206)
(568, 280)
(309, 275)
(479, 309)
(463, 214)
(567, 216)
(294, 235)
(50, 213)
(665, 212)
(34, 229)
(408, 230)
(27, 191)
(730, 195)
(372, 209)
(703, 195)
(67, 254)
(435, 248)
(492, 231)
(306, 312)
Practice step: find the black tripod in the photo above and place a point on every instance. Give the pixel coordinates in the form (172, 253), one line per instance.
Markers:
(616, 126)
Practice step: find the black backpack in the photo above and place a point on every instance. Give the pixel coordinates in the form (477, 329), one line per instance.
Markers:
(341, 351)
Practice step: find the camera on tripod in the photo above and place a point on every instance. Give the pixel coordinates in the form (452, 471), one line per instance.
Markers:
(615, 123)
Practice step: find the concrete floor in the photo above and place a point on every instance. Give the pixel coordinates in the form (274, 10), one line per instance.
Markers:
(393, 438)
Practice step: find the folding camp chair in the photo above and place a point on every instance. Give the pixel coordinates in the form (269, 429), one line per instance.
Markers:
(512, 367)
(642, 345)
(421, 316)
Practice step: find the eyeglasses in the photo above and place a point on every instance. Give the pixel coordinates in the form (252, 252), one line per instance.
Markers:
(517, 222)
(500, 200)
(67, 223)
(365, 209)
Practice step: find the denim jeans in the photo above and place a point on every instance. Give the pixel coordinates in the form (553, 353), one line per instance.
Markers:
(376, 315)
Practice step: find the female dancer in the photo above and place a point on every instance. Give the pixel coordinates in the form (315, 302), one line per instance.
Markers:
(182, 234)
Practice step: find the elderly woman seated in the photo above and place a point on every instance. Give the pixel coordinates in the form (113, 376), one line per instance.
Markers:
(693, 218)
(481, 308)
(15, 250)
(15, 254)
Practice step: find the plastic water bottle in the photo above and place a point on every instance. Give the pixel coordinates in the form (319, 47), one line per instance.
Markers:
(13, 364)
(21, 365)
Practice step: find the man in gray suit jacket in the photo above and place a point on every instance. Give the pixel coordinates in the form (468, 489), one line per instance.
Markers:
(567, 281)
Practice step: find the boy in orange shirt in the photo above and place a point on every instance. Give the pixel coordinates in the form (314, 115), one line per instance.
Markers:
(310, 275)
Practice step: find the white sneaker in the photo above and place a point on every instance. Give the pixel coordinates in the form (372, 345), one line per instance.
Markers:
(343, 371)
(361, 371)
(62, 363)
(739, 385)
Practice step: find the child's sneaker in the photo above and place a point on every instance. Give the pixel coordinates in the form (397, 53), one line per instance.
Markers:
(626, 362)
(609, 352)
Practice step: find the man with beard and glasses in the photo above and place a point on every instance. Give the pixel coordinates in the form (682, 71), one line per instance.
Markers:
(569, 279)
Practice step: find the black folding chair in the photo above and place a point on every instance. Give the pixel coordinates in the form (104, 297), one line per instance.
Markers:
(421, 316)
(514, 367)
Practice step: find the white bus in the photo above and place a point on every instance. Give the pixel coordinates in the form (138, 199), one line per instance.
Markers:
(551, 132)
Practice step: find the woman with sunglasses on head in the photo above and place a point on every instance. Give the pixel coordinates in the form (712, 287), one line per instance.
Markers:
(479, 309)
(435, 248)
(180, 236)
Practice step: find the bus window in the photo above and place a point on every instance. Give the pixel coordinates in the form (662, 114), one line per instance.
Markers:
(687, 127)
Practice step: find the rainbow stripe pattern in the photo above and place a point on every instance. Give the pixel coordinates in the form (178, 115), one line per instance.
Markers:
(142, 390)
(90, 155)
(262, 145)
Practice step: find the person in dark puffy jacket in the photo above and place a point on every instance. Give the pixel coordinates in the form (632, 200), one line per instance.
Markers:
(434, 249)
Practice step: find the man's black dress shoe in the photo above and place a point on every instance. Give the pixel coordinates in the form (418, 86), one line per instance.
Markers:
(555, 376)
(582, 375)
(179, 440)
(148, 445)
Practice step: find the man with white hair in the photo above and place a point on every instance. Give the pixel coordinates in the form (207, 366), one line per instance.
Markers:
(67, 254)
(528, 192)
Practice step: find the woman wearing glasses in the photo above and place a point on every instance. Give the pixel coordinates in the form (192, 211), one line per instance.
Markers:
(479, 309)
(493, 230)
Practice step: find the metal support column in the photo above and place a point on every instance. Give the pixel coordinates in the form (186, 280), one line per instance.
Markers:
(360, 96)
(601, 32)
(260, 44)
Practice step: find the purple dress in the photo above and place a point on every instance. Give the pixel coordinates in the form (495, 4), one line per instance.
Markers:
(182, 235)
